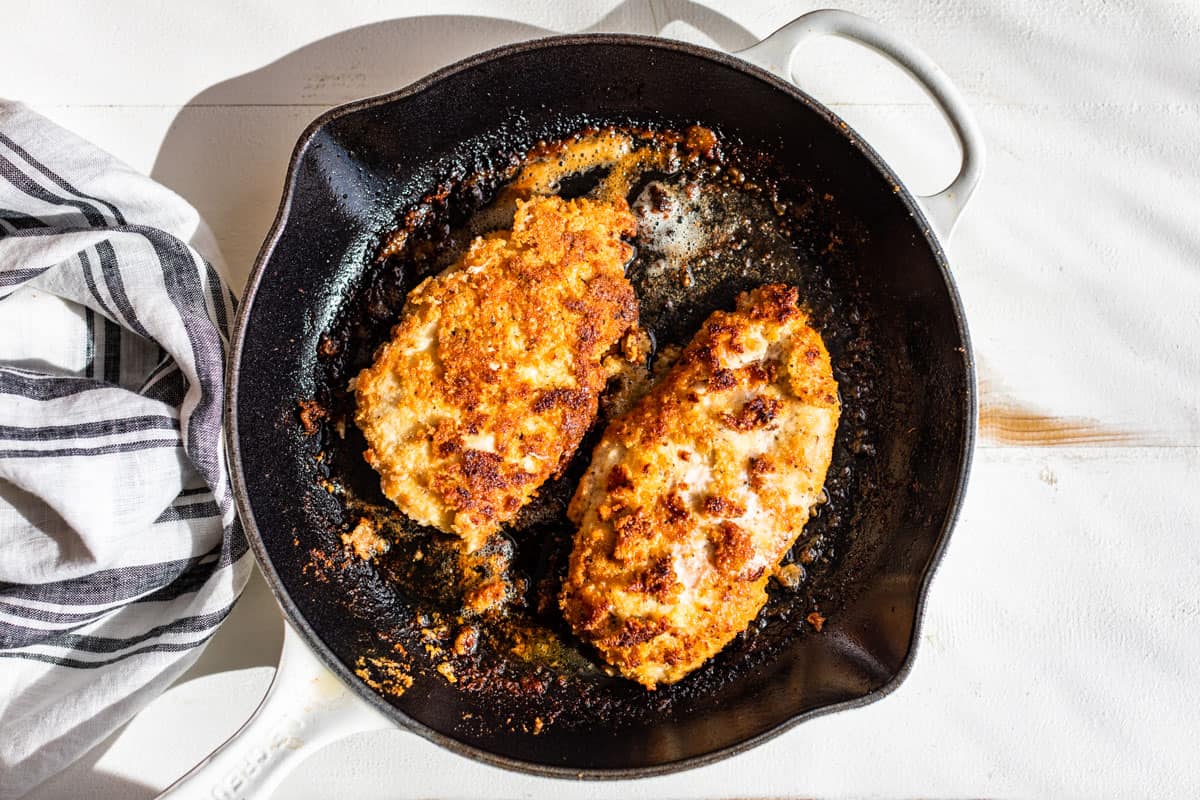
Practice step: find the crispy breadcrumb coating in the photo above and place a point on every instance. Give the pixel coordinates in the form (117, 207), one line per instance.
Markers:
(493, 373)
(694, 495)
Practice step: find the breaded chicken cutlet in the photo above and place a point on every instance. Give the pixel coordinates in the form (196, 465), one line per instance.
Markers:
(696, 493)
(493, 373)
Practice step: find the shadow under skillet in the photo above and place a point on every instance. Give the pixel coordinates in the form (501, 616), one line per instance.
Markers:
(227, 149)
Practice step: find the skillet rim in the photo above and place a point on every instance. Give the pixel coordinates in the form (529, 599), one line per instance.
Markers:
(233, 370)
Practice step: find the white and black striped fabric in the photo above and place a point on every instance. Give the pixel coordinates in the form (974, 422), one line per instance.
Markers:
(120, 549)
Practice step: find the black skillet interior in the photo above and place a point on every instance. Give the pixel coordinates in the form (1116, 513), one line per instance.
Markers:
(356, 166)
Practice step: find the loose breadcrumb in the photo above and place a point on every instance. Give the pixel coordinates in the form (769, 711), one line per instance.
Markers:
(365, 541)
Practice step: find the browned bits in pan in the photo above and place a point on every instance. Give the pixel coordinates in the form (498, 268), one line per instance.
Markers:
(521, 657)
(311, 414)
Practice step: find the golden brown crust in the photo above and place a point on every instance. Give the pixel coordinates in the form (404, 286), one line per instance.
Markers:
(493, 372)
(696, 493)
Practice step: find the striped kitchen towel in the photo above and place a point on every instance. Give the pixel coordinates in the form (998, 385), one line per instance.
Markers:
(120, 549)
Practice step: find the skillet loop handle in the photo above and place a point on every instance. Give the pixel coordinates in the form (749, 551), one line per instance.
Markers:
(776, 52)
(305, 708)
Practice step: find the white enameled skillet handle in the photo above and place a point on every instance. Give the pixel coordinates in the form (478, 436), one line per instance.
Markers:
(775, 55)
(306, 708)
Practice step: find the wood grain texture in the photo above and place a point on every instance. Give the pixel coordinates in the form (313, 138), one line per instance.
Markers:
(1012, 425)
(1005, 422)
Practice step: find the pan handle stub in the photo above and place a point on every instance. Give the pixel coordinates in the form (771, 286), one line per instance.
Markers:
(775, 54)
(306, 708)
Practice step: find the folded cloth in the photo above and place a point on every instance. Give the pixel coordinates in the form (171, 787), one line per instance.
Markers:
(121, 549)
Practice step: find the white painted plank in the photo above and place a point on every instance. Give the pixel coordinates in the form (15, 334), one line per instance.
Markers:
(1011, 52)
(138, 52)
(142, 53)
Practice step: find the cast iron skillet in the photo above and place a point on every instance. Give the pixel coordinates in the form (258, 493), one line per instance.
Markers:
(357, 164)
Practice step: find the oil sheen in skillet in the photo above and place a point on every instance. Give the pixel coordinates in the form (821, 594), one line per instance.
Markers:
(727, 228)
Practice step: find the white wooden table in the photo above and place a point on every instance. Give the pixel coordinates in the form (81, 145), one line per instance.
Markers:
(1061, 651)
